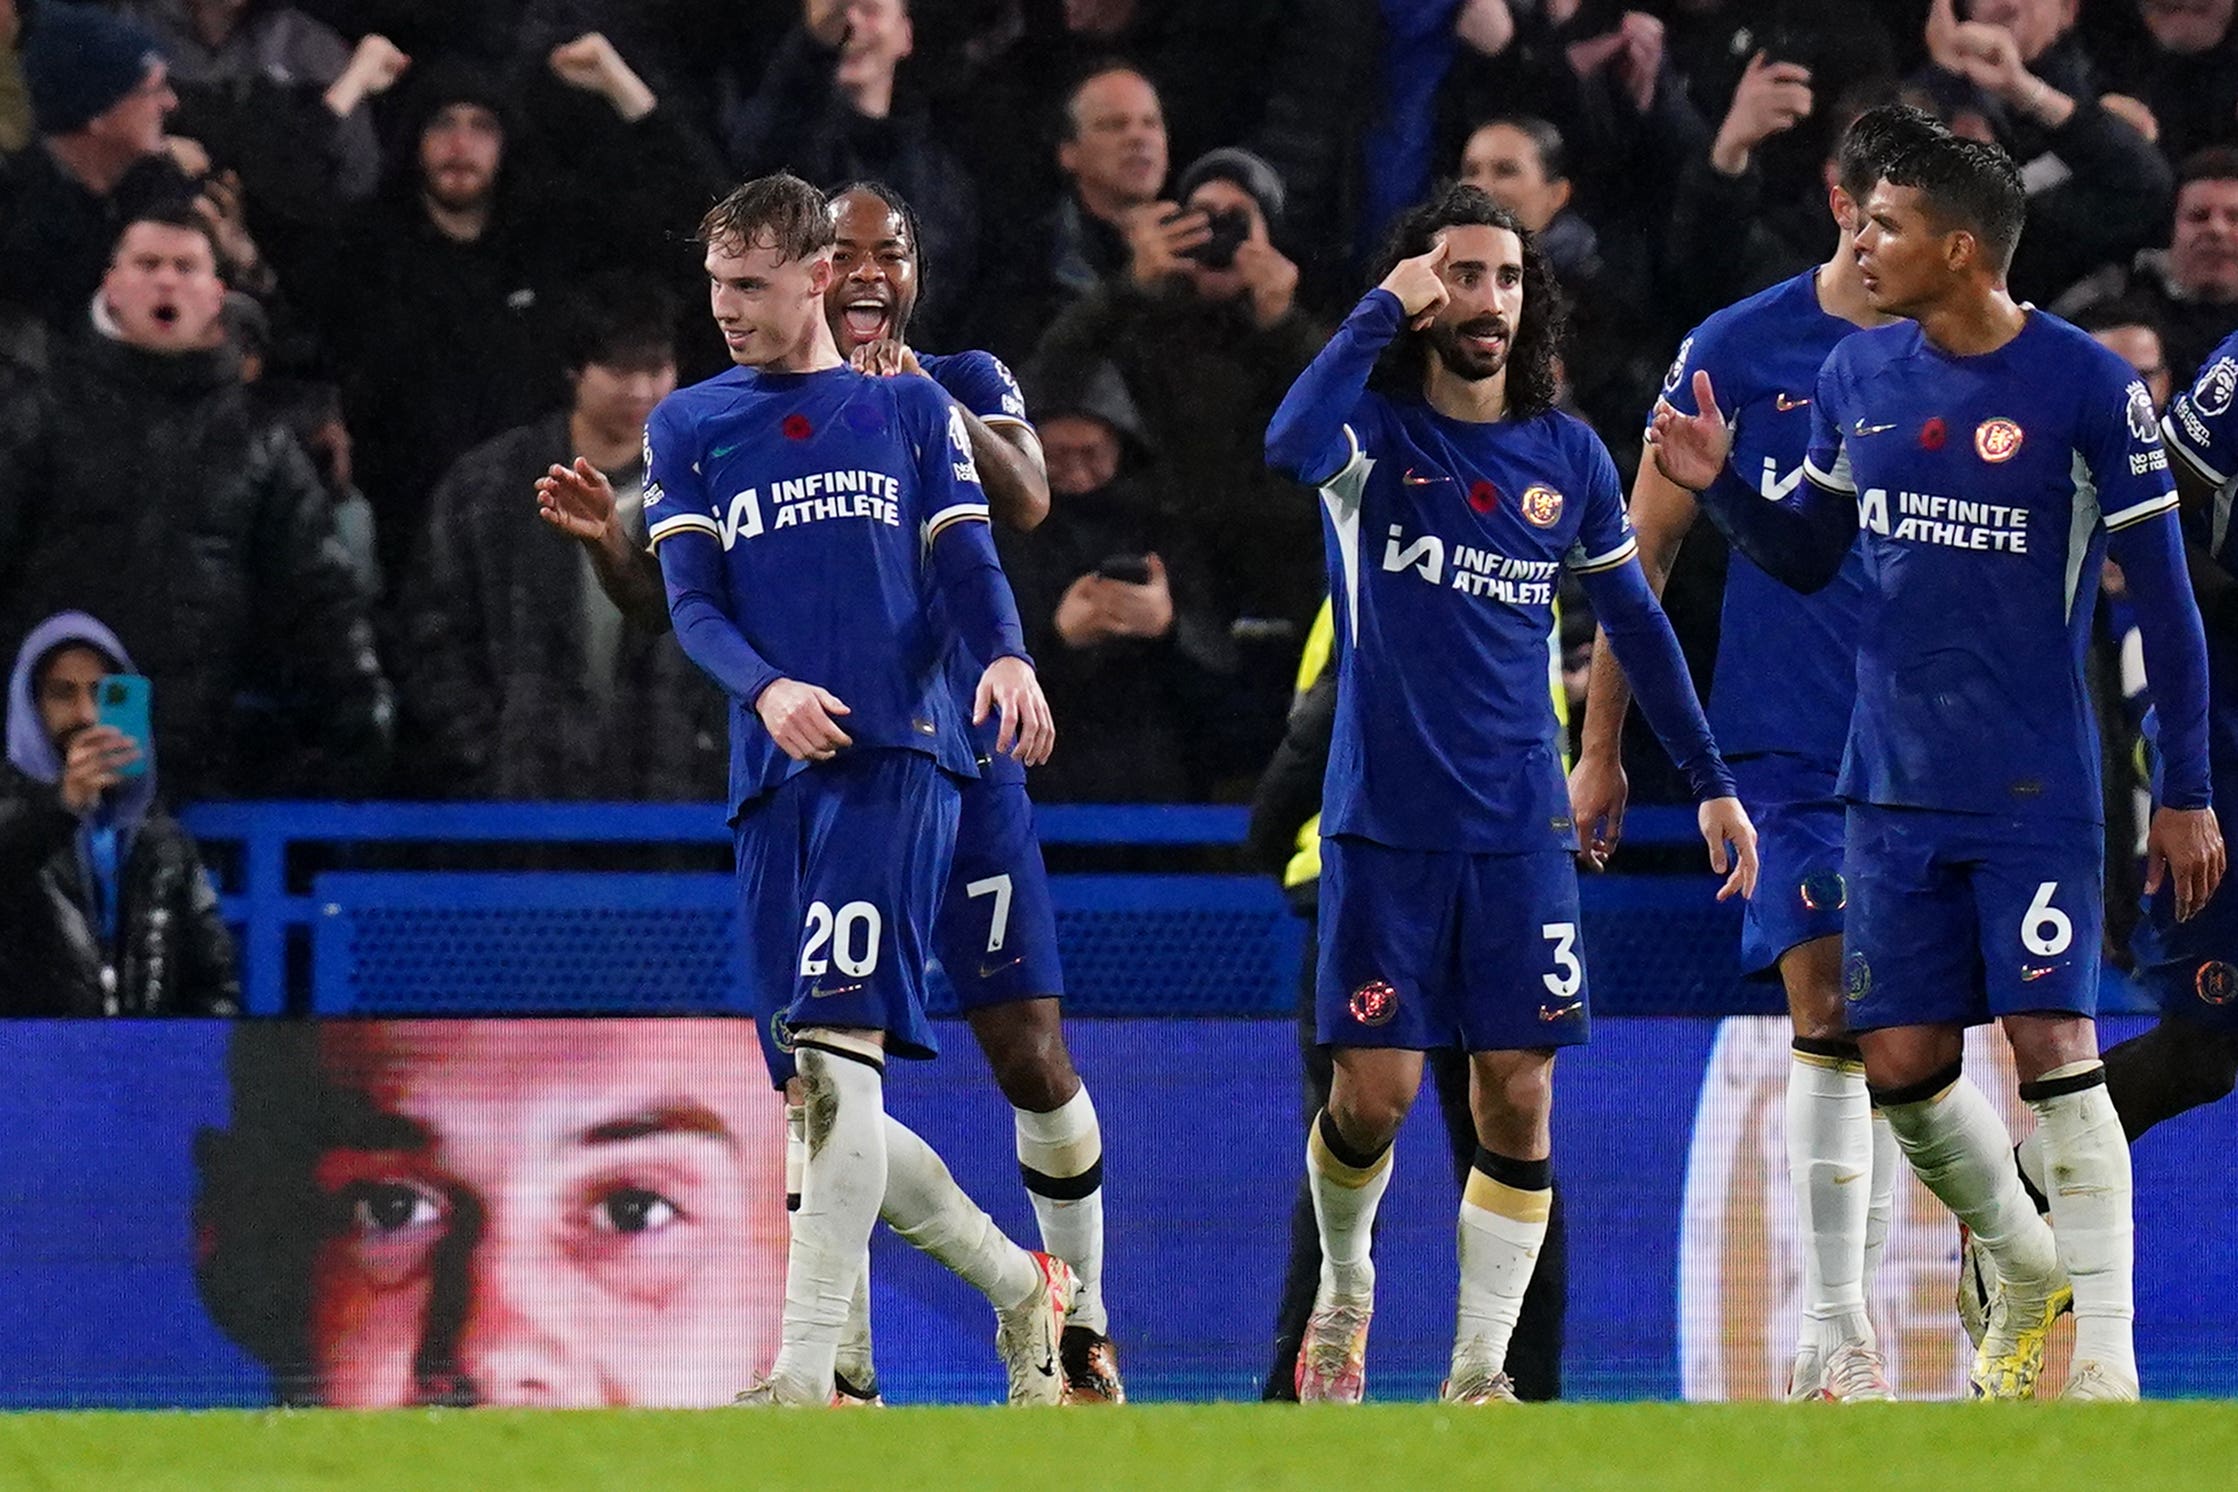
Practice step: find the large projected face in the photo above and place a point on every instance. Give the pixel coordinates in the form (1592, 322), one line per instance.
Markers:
(538, 1213)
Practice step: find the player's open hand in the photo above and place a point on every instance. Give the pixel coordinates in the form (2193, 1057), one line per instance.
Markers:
(577, 500)
(887, 357)
(1419, 283)
(799, 718)
(1010, 688)
(1598, 792)
(2185, 844)
(1690, 449)
(1732, 841)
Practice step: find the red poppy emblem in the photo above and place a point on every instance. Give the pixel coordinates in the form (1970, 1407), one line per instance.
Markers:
(796, 427)
(1933, 434)
(1483, 496)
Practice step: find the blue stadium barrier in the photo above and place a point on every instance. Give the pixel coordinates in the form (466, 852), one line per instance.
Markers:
(620, 942)
(268, 834)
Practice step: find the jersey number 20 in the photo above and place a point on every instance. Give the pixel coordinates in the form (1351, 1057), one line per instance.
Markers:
(852, 935)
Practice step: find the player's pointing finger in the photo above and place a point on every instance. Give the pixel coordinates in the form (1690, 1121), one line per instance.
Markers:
(1705, 397)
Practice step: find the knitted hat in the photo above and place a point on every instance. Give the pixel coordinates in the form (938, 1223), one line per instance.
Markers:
(80, 62)
(1258, 180)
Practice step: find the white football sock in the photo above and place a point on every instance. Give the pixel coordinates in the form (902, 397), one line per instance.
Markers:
(853, 1360)
(796, 1152)
(1060, 1157)
(1344, 1203)
(2086, 1158)
(841, 1184)
(1960, 1150)
(1502, 1230)
(928, 1209)
(1888, 1165)
(1830, 1166)
(2029, 1156)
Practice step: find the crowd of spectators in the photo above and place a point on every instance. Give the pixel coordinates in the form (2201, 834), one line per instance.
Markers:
(296, 300)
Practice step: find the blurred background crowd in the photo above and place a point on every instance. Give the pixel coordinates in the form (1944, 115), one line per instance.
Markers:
(297, 299)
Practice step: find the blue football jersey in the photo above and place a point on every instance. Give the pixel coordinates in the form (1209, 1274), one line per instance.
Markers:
(2201, 427)
(1786, 673)
(980, 383)
(1446, 540)
(826, 492)
(1985, 489)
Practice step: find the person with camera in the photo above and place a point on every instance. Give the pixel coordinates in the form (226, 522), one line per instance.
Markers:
(1204, 333)
(104, 906)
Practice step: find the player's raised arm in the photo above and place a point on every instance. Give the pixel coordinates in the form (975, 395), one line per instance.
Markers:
(579, 502)
(1011, 470)
(1004, 447)
(1307, 440)
(1800, 540)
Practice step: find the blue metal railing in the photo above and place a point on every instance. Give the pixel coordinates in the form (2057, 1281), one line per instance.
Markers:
(260, 902)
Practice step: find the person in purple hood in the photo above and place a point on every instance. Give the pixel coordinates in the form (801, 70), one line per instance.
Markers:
(104, 906)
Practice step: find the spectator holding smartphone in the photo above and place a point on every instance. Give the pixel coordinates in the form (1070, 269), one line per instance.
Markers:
(1114, 605)
(104, 906)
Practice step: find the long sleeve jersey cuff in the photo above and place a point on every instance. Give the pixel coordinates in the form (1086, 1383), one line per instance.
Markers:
(2150, 552)
(1648, 651)
(691, 568)
(1306, 440)
(977, 591)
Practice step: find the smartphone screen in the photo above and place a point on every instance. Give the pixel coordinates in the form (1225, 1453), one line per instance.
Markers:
(120, 701)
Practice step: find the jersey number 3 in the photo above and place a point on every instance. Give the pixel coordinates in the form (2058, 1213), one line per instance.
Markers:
(1569, 973)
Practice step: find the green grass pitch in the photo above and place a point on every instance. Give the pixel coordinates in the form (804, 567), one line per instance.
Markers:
(1167, 1448)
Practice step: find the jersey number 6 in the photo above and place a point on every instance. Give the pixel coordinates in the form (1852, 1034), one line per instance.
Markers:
(2045, 930)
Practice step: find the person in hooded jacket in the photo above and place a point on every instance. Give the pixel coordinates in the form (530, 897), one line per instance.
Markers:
(1114, 600)
(104, 905)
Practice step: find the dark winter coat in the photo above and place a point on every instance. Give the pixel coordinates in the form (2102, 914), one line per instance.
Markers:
(498, 703)
(171, 954)
(138, 487)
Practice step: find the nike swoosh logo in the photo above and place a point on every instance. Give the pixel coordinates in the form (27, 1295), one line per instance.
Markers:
(1844, 1178)
(985, 972)
(720, 452)
(1783, 404)
(818, 992)
(1553, 1013)
(1412, 480)
(1865, 429)
(1049, 1367)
